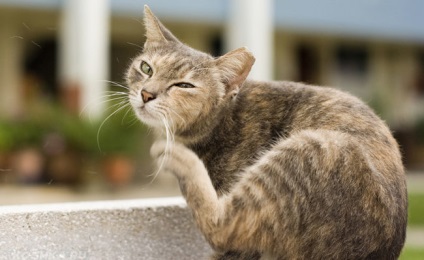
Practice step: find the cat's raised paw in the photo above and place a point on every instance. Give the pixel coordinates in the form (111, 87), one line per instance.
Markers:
(175, 158)
(159, 148)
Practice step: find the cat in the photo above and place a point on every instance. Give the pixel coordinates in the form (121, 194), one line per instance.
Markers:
(275, 170)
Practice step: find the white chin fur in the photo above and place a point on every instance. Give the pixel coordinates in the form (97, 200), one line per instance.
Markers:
(148, 119)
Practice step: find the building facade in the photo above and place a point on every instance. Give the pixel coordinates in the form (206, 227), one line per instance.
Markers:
(373, 49)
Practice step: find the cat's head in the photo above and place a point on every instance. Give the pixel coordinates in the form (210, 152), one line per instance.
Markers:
(174, 86)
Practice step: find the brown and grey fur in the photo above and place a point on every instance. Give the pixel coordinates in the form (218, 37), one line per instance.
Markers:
(276, 170)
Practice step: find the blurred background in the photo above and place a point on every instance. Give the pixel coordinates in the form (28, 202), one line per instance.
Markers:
(62, 63)
(66, 135)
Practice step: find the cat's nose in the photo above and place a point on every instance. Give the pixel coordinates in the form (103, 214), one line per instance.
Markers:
(147, 96)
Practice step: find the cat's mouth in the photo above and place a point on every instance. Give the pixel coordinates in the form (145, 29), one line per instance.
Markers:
(142, 111)
(146, 115)
(150, 113)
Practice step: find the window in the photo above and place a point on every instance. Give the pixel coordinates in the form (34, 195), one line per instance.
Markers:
(308, 64)
(40, 69)
(419, 79)
(352, 61)
(216, 45)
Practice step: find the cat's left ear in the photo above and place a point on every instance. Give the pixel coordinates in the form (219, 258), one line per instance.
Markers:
(155, 30)
(234, 67)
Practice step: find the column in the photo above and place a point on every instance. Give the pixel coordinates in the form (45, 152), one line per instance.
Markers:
(84, 54)
(250, 24)
(285, 60)
(11, 51)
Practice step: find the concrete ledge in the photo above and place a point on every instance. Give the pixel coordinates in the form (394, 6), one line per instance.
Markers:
(130, 229)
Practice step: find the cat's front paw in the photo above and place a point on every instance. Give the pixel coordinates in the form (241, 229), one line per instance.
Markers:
(158, 150)
(175, 158)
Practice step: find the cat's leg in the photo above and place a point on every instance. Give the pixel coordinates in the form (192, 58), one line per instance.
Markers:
(194, 182)
(249, 218)
(312, 195)
(226, 222)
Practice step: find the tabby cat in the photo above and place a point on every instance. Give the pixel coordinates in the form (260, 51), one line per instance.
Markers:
(275, 170)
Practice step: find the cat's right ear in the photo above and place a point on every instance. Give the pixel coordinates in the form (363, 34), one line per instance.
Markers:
(155, 30)
(234, 67)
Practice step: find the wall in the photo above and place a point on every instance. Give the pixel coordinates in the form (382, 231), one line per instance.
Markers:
(131, 229)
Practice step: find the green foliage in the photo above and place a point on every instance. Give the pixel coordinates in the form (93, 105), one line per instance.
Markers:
(416, 209)
(380, 102)
(410, 253)
(119, 133)
(419, 130)
(20, 133)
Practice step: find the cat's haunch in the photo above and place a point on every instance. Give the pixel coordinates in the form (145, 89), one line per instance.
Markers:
(278, 170)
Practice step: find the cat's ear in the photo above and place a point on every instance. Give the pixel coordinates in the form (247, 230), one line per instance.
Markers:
(155, 31)
(235, 66)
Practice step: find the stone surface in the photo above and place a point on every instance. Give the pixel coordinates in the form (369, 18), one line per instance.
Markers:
(130, 229)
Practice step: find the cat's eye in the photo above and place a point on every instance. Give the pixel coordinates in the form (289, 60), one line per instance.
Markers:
(146, 69)
(184, 85)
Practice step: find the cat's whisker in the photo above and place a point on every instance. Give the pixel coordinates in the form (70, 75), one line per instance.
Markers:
(108, 94)
(168, 130)
(132, 98)
(138, 20)
(120, 104)
(134, 44)
(186, 107)
(116, 98)
(116, 84)
(178, 115)
(133, 121)
(128, 105)
(167, 147)
(121, 99)
(98, 101)
(103, 122)
(115, 93)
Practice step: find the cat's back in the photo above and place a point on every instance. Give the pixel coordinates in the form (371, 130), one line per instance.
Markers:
(341, 152)
(283, 110)
(267, 112)
(293, 107)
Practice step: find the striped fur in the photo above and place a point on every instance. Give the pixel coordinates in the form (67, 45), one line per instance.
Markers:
(271, 170)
